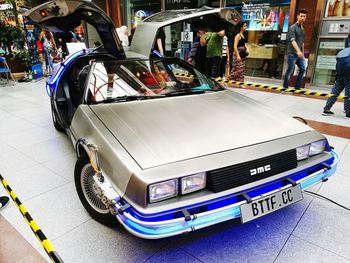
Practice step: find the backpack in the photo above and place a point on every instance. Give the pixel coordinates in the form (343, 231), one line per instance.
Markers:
(343, 61)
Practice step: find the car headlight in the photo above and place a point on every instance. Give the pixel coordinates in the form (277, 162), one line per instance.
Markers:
(317, 147)
(193, 183)
(303, 152)
(163, 190)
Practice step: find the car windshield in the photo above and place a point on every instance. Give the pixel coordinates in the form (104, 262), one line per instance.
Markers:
(112, 81)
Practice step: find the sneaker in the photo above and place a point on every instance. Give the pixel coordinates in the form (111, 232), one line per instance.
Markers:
(4, 200)
(347, 116)
(327, 113)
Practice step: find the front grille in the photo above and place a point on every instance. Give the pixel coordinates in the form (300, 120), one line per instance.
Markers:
(236, 175)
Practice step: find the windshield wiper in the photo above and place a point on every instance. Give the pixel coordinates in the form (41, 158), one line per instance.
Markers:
(184, 92)
(128, 98)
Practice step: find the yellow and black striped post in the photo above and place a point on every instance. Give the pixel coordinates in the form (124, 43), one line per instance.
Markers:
(291, 90)
(269, 87)
(45, 243)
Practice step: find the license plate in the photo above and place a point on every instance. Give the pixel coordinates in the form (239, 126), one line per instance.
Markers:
(270, 203)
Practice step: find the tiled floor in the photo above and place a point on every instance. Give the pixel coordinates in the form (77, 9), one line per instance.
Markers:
(38, 164)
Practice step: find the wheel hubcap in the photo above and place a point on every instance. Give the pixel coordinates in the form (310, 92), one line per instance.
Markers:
(87, 182)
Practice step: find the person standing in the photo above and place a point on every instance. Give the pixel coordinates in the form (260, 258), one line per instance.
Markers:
(347, 41)
(160, 42)
(214, 42)
(295, 41)
(49, 44)
(124, 36)
(342, 81)
(225, 60)
(240, 52)
(198, 53)
(3, 201)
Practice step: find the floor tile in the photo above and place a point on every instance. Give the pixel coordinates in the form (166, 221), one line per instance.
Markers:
(5, 148)
(63, 166)
(337, 189)
(344, 164)
(93, 242)
(33, 181)
(347, 148)
(229, 242)
(13, 161)
(309, 253)
(339, 144)
(49, 150)
(326, 226)
(15, 125)
(172, 254)
(28, 137)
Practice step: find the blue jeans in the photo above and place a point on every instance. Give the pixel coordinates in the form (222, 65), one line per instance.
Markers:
(48, 62)
(300, 62)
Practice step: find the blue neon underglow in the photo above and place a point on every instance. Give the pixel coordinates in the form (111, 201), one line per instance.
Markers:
(183, 226)
(166, 215)
(226, 214)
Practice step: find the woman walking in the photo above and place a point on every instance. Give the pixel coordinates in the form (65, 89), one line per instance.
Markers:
(240, 52)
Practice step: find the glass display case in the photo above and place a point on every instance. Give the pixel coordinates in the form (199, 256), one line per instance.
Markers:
(335, 28)
(325, 62)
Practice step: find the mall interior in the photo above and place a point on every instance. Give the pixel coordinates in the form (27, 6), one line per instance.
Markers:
(45, 220)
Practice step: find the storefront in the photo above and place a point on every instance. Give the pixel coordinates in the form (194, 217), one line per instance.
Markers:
(335, 26)
(268, 22)
(267, 27)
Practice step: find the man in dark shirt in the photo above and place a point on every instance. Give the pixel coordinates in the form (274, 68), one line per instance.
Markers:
(295, 39)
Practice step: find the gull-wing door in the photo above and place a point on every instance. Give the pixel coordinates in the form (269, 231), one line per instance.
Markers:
(205, 18)
(65, 15)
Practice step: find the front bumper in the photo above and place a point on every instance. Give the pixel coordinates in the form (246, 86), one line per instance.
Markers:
(217, 212)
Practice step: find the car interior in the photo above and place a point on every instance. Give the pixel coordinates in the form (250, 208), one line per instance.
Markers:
(70, 91)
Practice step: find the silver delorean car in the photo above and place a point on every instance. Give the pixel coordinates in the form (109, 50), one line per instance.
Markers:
(163, 148)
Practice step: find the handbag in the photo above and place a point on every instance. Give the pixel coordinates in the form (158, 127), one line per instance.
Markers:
(243, 53)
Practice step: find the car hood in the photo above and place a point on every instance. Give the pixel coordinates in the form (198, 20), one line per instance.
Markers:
(160, 131)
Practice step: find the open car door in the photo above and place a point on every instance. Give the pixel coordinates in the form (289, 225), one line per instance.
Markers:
(205, 18)
(65, 15)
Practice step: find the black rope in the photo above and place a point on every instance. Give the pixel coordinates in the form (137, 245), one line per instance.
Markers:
(326, 198)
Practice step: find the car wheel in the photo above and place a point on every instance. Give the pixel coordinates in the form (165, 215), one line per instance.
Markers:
(83, 176)
(56, 124)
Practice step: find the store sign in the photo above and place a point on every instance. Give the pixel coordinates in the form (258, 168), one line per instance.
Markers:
(182, 4)
(260, 16)
(326, 62)
(332, 45)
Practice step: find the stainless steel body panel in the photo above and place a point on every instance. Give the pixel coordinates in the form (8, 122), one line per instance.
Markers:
(162, 131)
(139, 181)
(115, 161)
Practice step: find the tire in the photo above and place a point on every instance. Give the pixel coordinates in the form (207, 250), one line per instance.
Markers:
(83, 173)
(56, 124)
